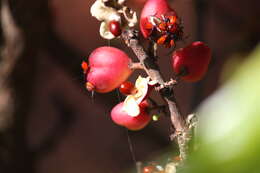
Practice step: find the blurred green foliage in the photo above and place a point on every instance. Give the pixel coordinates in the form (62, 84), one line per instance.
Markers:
(229, 128)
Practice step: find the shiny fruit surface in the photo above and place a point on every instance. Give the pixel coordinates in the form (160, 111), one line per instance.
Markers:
(127, 88)
(108, 68)
(120, 117)
(191, 62)
(115, 28)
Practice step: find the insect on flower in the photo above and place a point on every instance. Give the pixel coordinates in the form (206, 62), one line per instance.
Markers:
(166, 30)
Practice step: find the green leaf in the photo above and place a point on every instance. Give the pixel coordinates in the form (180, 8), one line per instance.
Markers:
(229, 130)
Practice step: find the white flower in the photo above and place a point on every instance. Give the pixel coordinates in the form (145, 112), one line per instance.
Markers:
(106, 14)
(131, 103)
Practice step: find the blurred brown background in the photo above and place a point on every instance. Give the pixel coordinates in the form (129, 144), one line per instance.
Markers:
(67, 131)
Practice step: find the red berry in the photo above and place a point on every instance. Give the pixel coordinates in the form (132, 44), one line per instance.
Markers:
(127, 88)
(155, 8)
(191, 62)
(160, 23)
(120, 117)
(115, 28)
(108, 68)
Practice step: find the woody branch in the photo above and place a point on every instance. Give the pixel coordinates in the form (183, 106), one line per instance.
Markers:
(152, 69)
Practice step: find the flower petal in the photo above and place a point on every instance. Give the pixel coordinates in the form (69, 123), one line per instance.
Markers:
(104, 31)
(131, 107)
(141, 85)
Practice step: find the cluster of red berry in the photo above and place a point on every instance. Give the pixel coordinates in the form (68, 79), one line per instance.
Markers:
(108, 68)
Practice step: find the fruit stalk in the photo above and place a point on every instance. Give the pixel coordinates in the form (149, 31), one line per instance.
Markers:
(181, 134)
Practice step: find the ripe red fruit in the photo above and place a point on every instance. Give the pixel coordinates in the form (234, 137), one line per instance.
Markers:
(155, 8)
(120, 117)
(115, 28)
(192, 60)
(108, 68)
(127, 88)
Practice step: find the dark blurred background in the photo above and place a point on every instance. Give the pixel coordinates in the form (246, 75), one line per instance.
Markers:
(68, 131)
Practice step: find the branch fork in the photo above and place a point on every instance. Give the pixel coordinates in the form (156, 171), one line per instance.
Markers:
(168, 84)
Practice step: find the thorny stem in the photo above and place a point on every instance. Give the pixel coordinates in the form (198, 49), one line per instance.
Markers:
(182, 134)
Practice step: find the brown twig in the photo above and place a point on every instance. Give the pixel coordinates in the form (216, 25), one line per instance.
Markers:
(136, 66)
(181, 134)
